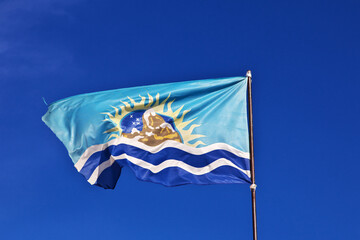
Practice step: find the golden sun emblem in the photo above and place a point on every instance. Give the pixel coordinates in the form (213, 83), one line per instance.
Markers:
(150, 123)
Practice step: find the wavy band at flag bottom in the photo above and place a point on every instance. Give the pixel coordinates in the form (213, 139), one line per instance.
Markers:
(170, 164)
(192, 132)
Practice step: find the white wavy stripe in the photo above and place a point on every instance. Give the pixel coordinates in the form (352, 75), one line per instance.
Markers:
(166, 164)
(169, 143)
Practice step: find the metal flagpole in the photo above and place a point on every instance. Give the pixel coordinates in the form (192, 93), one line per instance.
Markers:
(252, 166)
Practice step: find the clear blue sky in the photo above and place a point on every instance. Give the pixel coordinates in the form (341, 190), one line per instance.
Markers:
(305, 62)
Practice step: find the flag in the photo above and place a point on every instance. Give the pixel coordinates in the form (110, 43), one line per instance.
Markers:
(193, 132)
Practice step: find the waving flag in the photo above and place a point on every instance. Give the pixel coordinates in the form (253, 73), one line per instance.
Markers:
(173, 134)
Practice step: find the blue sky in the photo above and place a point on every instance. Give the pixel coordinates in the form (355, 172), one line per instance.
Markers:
(304, 57)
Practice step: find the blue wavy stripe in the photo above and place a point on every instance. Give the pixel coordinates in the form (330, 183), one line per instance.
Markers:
(156, 158)
(173, 176)
(109, 177)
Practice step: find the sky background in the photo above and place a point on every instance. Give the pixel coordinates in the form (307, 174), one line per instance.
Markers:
(304, 57)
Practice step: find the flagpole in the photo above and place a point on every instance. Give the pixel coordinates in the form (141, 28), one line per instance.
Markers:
(252, 166)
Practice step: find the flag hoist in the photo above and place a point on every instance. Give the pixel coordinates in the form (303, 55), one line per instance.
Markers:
(251, 148)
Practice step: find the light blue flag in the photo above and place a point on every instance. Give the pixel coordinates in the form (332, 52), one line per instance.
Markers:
(172, 134)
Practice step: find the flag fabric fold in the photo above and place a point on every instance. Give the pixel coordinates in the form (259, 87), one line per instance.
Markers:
(193, 132)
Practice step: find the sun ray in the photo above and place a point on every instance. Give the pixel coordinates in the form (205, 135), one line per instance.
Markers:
(157, 99)
(184, 124)
(150, 101)
(132, 101)
(197, 144)
(115, 129)
(167, 98)
(142, 102)
(108, 114)
(127, 105)
(181, 119)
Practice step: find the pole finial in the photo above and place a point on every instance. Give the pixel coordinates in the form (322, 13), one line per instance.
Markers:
(248, 73)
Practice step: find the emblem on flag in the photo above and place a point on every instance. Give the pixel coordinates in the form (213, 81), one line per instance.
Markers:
(152, 123)
(172, 134)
